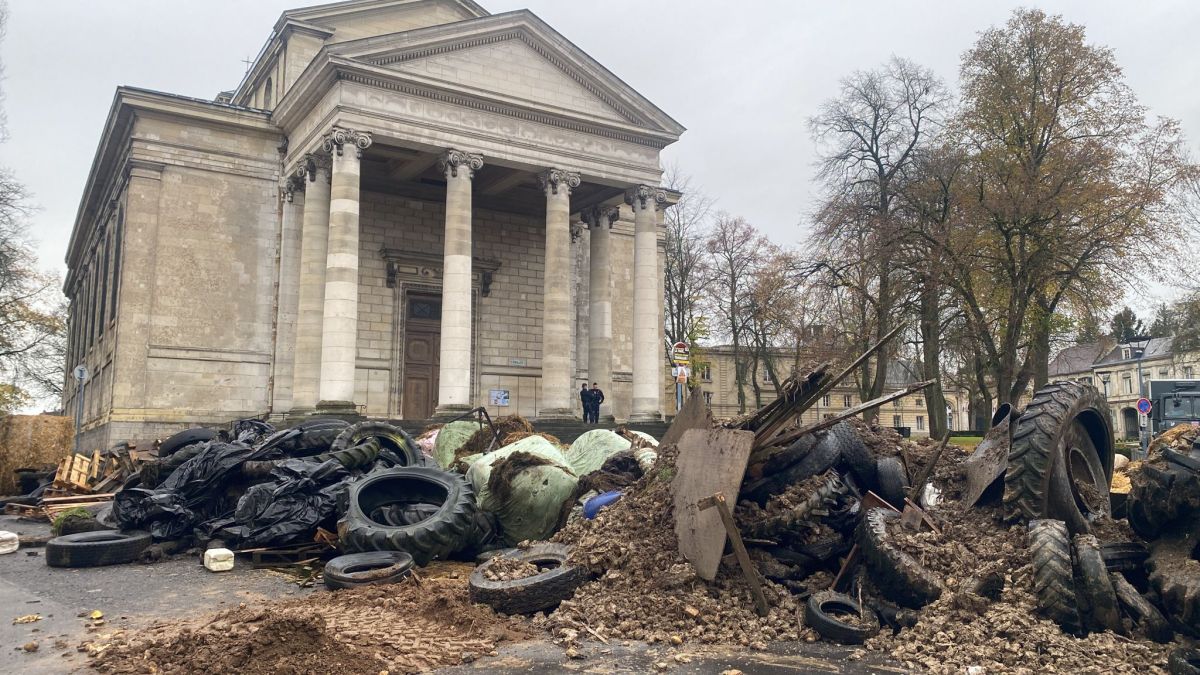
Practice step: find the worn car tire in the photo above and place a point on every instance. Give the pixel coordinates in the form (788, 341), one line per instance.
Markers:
(893, 481)
(1095, 582)
(821, 614)
(536, 593)
(1184, 661)
(1124, 556)
(388, 437)
(447, 531)
(854, 454)
(1142, 612)
(897, 574)
(826, 548)
(93, 549)
(183, 439)
(1053, 579)
(367, 569)
(1174, 576)
(1062, 438)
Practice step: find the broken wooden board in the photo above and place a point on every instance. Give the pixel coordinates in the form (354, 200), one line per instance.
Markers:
(694, 415)
(709, 461)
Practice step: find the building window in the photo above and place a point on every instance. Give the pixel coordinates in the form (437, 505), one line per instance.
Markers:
(949, 420)
(1125, 353)
(827, 416)
(847, 400)
(1127, 384)
(267, 94)
(896, 403)
(825, 401)
(706, 373)
(708, 397)
(920, 423)
(896, 421)
(1085, 380)
(920, 402)
(1188, 373)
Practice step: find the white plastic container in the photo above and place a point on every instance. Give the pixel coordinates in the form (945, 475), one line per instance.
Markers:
(218, 560)
(9, 542)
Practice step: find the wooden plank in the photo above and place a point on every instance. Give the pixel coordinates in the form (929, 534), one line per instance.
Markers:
(97, 497)
(694, 415)
(709, 461)
(850, 412)
(739, 550)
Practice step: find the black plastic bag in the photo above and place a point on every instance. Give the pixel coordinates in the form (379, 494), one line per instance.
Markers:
(290, 508)
(193, 493)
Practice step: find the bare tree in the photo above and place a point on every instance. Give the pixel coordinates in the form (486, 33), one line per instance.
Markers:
(735, 252)
(871, 133)
(687, 270)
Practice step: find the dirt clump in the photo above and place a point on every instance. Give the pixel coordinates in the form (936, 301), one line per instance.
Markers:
(408, 627)
(646, 590)
(505, 470)
(481, 440)
(510, 569)
(515, 436)
(617, 473)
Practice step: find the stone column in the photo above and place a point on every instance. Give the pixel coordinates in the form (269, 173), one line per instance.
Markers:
(454, 370)
(339, 332)
(647, 352)
(599, 222)
(287, 297)
(314, 242)
(556, 297)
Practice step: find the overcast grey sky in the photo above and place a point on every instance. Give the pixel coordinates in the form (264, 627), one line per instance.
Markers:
(742, 76)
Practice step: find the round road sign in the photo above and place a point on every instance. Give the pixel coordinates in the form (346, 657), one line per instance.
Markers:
(1144, 406)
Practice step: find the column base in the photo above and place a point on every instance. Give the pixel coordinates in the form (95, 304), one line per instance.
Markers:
(607, 420)
(297, 415)
(640, 417)
(556, 414)
(340, 409)
(450, 411)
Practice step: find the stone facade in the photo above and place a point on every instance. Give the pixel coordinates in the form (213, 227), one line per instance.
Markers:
(395, 211)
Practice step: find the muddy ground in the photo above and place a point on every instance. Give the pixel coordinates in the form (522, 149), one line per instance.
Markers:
(166, 596)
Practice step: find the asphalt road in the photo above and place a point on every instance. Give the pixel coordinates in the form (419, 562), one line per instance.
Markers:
(134, 595)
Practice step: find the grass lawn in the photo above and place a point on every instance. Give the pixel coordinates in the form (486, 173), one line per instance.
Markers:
(968, 442)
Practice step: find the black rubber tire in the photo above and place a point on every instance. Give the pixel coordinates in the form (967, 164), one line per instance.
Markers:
(1142, 612)
(1053, 579)
(386, 435)
(1149, 500)
(449, 529)
(1124, 556)
(822, 457)
(310, 437)
(854, 454)
(1177, 587)
(367, 569)
(1185, 461)
(1184, 661)
(898, 575)
(1096, 585)
(94, 549)
(820, 615)
(183, 439)
(826, 548)
(540, 592)
(357, 456)
(893, 481)
(1065, 430)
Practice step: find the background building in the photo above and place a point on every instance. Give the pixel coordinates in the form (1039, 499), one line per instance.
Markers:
(407, 207)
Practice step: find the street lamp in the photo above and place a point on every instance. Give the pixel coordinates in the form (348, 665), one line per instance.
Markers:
(1139, 344)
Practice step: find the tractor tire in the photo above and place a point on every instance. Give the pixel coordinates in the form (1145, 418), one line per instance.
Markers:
(893, 481)
(1053, 580)
(1061, 460)
(185, 438)
(311, 437)
(854, 453)
(1175, 576)
(1096, 585)
(388, 437)
(93, 549)
(448, 530)
(898, 575)
(1145, 616)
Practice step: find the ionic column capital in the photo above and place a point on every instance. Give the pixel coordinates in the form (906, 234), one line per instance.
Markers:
(552, 179)
(311, 163)
(455, 159)
(600, 215)
(335, 140)
(646, 196)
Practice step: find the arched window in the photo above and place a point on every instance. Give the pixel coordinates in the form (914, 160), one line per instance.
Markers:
(267, 95)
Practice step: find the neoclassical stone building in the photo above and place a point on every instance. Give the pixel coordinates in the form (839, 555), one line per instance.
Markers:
(406, 208)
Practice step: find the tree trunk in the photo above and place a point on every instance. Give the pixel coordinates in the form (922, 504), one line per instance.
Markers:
(935, 399)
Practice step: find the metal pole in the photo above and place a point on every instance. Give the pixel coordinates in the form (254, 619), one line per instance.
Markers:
(1144, 429)
(78, 412)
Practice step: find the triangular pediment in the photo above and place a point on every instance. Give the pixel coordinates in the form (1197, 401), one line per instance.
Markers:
(511, 68)
(514, 59)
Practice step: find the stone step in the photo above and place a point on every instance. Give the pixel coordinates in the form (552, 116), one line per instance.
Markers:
(565, 431)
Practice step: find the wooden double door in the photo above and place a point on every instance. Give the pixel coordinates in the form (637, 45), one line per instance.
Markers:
(422, 355)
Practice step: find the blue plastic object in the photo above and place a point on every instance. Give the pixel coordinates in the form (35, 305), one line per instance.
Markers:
(592, 506)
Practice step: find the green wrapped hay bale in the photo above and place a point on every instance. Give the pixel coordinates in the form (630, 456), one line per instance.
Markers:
(525, 485)
(589, 452)
(452, 437)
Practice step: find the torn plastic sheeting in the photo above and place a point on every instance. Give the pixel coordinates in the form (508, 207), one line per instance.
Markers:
(191, 494)
(290, 508)
(589, 452)
(451, 437)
